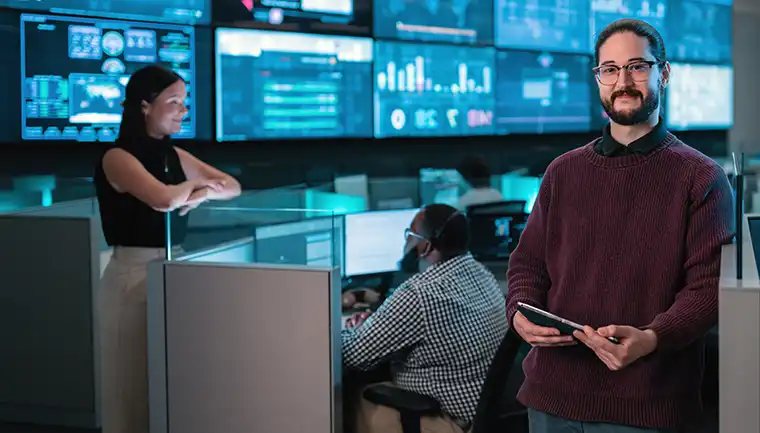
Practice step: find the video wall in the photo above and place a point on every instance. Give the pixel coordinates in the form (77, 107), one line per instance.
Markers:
(295, 69)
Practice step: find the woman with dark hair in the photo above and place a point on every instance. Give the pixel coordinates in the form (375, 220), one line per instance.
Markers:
(140, 178)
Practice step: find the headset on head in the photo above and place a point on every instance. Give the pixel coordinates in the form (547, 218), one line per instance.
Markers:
(437, 233)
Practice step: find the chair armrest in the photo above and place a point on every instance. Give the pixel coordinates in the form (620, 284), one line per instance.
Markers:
(401, 399)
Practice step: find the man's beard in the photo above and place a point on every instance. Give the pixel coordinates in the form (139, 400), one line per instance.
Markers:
(635, 116)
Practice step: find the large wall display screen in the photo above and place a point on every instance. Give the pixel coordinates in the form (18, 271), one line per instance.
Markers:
(433, 90)
(75, 90)
(290, 85)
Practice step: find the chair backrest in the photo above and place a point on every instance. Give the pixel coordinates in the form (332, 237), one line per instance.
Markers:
(487, 418)
(496, 208)
(495, 229)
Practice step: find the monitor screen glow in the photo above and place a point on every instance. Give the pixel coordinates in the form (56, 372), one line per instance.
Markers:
(171, 11)
(276, 85)
(700, 97)
(75, 90)
(457, 21)
(375, 240)
(552, 25)
(433, 90)
(543, 93)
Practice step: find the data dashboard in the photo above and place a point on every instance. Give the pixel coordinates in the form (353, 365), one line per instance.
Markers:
(700, 97)
(460, 21)
(308, 16)
(553, 25)
(292, 85)
(75, 90)
(173, 11)
(542, 92)
(702, 33)
(433, 90)
(604, 12)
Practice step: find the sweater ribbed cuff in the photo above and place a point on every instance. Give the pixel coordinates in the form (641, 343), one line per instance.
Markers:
(512, 308)
(665, 331)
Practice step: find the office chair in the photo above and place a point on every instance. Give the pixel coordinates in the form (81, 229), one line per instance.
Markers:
(495, 229)
(413, 406)
(497, 208)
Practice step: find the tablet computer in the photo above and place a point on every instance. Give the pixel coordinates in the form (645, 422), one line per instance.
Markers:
(549, 320)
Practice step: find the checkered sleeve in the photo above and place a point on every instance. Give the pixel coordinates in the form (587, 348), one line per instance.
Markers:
(398, 324)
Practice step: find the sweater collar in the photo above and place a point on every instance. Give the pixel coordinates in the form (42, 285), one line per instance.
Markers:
(610, 147)
(627, 160)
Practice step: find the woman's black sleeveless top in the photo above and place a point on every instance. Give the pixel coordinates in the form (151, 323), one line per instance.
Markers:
(127, 221)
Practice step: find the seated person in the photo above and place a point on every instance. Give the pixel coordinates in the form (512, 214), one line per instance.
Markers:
(442, 326)
(476, 173)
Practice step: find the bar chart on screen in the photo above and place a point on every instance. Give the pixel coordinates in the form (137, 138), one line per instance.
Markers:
(424, 89)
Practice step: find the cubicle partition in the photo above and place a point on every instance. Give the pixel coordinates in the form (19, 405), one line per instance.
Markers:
(49, 267)
(51, 262)
(237, 345)
(739, 327)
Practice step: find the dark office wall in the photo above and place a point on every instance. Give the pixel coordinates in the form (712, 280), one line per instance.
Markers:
(268, 164)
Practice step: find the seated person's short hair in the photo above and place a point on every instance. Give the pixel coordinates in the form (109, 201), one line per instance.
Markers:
(475, 171)
(451, 227)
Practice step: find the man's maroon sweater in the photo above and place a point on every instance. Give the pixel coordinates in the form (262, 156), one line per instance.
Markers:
(631, 240)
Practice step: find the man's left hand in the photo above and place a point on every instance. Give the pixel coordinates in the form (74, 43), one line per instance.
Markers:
(634, 344)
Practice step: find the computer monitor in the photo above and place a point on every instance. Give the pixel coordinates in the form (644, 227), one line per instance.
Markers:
(310, 242)
(75, 89)
(753, 236)
(700, 97)
(558, 26)
(316, 16)
(459, 21)
(543, 93)
(394, 193)
(172, 11)
(440, 186)
(701, 33)
(274, 85)
(375, 241)
(433, 90)
(604, 12)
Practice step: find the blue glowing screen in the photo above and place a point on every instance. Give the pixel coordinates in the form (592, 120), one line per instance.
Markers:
(433, 90)
(308, 16)
(604, 12)
(553, 25)
(172, 11)
(542, 92)
(461, 21)
(700, 97)
(291, 85)
(701, 33)
(75, 90)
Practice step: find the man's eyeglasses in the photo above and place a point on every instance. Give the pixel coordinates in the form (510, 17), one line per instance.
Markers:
(608, 75)
(408, 232)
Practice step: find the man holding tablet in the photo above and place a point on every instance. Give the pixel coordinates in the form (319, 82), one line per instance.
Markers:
(624, 238)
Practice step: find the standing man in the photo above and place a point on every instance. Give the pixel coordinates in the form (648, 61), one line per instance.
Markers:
(625, 237)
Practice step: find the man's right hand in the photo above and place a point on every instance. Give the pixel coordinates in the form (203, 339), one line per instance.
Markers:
(540, 336)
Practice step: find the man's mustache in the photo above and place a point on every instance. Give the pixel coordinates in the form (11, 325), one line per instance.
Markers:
(626, 92)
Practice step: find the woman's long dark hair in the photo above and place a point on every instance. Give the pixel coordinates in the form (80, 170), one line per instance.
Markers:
(144, 86)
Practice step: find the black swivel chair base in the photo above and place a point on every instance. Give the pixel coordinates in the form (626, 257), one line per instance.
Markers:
(410, 405)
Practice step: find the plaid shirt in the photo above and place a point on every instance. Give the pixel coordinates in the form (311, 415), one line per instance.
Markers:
(446, 323)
